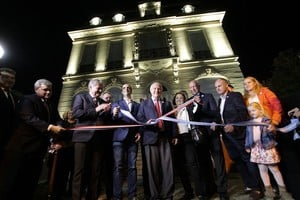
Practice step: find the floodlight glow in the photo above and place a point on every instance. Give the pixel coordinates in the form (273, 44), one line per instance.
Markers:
(95, 21)
(187, 9)
(1, 51)
(118, 17)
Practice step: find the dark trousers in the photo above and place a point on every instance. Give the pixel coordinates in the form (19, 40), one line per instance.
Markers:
(248, 170)
(160, 170)
(289, 150)
(145, 173)
(88, 158)
(106, 175)
(186, 158)
(125, 149)
(206, 169)
(19, 173)
(180, 165)
(219, 162)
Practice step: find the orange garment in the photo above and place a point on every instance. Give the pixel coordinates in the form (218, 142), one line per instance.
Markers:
(271, 105)
(228, 161)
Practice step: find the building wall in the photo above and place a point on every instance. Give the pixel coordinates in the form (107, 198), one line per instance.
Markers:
(174, 66)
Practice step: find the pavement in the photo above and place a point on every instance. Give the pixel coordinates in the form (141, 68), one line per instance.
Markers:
(235, 189)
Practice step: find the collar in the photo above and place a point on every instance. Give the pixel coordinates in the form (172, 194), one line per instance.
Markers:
(5, 89)
(224, 95)
(127, 100)
(43, 100)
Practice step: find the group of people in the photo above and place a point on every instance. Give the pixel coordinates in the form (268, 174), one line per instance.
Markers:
(104, 141)
(27, 137)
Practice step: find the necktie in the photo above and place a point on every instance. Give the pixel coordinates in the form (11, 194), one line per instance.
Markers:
(47, 108)
(10, 98)
(95, 101)
(157, 108)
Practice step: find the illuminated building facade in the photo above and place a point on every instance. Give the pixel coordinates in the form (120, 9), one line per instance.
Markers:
(159, 44)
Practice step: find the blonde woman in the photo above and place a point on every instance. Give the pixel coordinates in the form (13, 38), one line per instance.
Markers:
(254, 91)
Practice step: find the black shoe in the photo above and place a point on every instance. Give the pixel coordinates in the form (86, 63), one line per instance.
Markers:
(200, 197)
(256, 195)
(247, 190)
(224, 196)
(187, 196)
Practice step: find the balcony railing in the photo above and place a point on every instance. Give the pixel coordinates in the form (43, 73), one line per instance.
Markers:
(200, 55)
(154, 53)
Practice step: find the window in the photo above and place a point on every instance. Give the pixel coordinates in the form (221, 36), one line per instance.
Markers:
(153, 44)
(115, 56)
(88, 58)
(199, 44)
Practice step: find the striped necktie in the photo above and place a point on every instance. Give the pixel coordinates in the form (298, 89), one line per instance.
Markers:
(157, 108)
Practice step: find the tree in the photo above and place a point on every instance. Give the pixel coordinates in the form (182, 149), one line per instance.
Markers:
(285, 80)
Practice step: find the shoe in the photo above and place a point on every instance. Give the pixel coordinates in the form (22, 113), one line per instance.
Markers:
(187, 196)
(200, 197)
(256, 195)
(224, 196)
(247, 190)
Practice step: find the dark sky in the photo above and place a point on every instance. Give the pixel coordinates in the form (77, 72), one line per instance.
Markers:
(37, 44)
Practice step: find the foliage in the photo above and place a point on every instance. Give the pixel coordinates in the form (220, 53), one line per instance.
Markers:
(285, 81)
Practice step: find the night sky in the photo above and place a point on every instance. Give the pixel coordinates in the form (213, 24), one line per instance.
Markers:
(37, 45)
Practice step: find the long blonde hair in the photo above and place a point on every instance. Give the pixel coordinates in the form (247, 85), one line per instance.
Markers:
(257, 87)
(257, 106)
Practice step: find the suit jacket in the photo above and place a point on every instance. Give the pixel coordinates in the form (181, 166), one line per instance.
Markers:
(235, 110)
(8, 116)
(207, 110)
(151, 132)
(120, 134)
(33, 119)
(83, 110)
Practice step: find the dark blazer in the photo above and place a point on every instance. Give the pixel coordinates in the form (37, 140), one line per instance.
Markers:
(207, 109)
(120, 134)
(8, 116)
(151, 132)
(83, 110)
(33, 119)
(235, 110)
(23, 159)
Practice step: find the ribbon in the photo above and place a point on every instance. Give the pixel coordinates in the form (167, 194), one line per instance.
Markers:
(292, 126)
(103, 127)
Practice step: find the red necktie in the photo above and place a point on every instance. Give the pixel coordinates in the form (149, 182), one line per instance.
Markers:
(157, 108)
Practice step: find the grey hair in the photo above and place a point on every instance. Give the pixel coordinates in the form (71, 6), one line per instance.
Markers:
(94, 81)
(41, 82)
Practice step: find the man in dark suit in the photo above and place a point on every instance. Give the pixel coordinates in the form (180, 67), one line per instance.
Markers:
(233, 109)
(23, 158)
(205, 110)
(157, 139)
(106, 175)
(89, 145)
(8, 100)
(125, 146)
